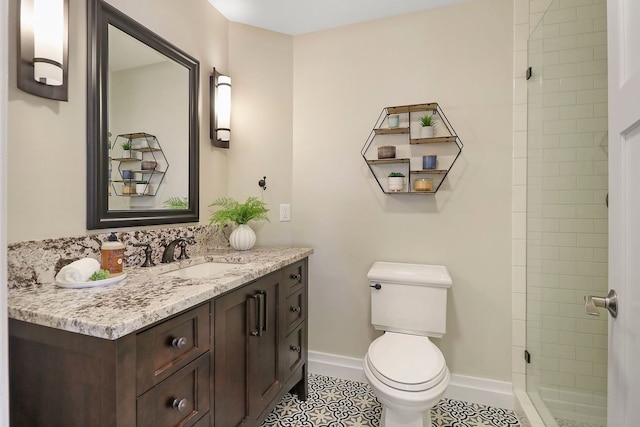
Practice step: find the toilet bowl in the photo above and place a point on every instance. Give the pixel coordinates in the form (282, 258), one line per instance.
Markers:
(408, 375)
(406, 371)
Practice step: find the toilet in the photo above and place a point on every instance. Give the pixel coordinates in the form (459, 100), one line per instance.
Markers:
(406, 371)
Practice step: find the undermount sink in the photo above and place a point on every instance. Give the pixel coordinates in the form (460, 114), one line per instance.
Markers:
(206, 269)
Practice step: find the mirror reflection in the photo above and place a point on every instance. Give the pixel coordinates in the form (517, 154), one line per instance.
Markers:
(148, 127)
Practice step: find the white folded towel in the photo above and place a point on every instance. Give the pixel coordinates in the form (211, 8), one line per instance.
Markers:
(78, 271)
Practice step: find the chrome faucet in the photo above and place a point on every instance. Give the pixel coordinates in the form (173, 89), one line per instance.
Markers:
(181, 242)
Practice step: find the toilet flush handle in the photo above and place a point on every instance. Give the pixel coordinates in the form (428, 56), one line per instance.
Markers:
(377, 286)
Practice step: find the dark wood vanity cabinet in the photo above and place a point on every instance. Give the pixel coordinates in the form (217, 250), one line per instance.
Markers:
(260, 352)
(158, 377)
(224, 363)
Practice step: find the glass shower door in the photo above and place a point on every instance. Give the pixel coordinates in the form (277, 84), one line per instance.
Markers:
(566, 213)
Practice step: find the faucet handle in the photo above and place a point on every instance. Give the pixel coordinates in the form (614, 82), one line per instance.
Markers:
(148, 262)
(183, 247)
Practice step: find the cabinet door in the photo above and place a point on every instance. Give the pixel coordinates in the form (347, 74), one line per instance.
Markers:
(246, 352)
(264, 379)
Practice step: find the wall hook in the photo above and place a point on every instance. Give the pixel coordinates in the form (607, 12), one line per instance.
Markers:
(263, 183)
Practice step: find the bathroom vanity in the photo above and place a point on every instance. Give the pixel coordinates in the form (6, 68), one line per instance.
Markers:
(158, 350)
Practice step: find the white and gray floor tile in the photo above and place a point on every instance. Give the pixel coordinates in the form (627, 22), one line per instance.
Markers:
(335, 402)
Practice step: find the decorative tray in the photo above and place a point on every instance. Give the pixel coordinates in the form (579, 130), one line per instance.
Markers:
(91, 284)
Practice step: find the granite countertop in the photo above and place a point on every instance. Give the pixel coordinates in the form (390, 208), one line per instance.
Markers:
(144, 296)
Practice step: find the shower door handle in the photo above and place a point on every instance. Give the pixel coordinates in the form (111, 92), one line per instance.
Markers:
(610, 302)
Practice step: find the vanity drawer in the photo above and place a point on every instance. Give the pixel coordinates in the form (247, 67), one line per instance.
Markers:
(295, 352)
(171, 345)
(181, 400)
(295, 276)
(296, 309)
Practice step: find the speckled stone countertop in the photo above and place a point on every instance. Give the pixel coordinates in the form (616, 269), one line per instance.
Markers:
(144, 296)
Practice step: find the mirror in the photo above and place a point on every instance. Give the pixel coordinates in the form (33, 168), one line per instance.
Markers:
(142, 142)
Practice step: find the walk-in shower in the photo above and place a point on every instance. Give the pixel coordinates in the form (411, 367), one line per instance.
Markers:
(567, 213)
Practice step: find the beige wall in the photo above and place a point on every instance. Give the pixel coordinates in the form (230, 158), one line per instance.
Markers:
(342, 80)
(261, 69)
(47, 154)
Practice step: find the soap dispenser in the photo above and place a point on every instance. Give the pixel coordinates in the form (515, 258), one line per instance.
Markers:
(112, 255)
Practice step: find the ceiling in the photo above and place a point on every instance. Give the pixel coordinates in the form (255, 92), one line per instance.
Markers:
(296, 17)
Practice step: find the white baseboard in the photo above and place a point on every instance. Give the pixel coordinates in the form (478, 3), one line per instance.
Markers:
(331, 365)
(469, 389)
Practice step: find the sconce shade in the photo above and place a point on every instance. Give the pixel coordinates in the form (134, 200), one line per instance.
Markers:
(220, 126)
(48, 23)
(43, 48)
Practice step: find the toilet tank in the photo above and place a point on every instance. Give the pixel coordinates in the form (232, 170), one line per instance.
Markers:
(411, 298)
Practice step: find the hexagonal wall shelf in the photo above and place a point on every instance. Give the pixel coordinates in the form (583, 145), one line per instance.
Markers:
(397, 146)
(144, 162)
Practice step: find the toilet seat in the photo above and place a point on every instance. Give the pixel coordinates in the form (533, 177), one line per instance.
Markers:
(406, 362)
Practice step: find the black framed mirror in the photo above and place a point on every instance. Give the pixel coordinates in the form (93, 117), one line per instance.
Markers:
(142, 125)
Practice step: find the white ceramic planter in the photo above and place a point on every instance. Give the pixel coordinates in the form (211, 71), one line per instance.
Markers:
(142, 189)
(126, 154)
(426, 132)
(242, 238)
(396, 183)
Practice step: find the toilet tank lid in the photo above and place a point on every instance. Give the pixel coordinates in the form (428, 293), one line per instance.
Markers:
(412, 274)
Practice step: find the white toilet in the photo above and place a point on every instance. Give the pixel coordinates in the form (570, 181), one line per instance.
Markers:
(406, 371)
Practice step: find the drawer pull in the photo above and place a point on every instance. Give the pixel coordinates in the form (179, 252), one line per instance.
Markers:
(295, 309)
(179, 343)
(296, 277)
(295, 348)
(179, 405)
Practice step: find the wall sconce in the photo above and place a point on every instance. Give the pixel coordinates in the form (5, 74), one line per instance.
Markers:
(43, 51)
(220, 98)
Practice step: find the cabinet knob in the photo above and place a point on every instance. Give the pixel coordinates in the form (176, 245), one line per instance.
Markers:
(179, 343)
(295, 309)
(179, 405)
(295, 348)
(297, 277)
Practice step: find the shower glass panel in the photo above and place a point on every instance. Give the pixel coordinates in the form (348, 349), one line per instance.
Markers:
(567, 213)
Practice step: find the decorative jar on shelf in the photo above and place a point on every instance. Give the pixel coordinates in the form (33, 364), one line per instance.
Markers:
(387, 152)
(423, 184)
(396, 182)
(429, 161)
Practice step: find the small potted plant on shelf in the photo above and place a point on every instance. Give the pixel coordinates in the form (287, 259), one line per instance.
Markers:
(243, 237)
(427, 126)
(142, 187)
(396, 181)
(126, 150)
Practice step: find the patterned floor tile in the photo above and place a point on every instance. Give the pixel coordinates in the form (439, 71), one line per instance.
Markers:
(335, 402)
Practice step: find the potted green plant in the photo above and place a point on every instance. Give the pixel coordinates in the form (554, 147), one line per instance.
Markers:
(176, 203)
(243, 237)
(396, 181)
(426, 122)
(142, 187)
(126, 150)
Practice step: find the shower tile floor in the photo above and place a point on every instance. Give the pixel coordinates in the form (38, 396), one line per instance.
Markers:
(335, 402)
